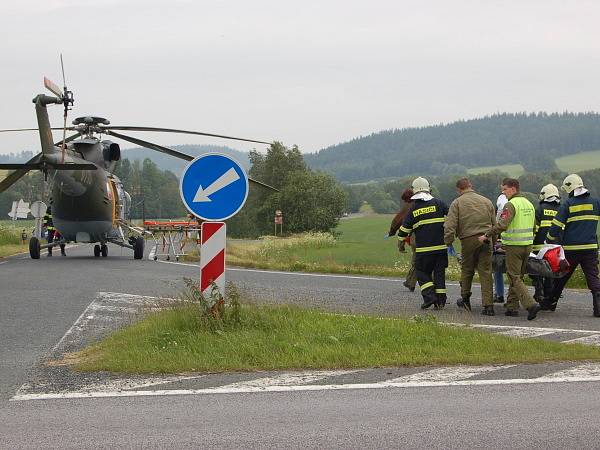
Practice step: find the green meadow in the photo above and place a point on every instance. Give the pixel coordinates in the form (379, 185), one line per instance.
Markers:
(579, 161)
(513, 170)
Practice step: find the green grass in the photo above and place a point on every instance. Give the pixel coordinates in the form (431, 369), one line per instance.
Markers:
(579, 161)
(513, 170)
(359, 249)
(285, 337)
(10, 237)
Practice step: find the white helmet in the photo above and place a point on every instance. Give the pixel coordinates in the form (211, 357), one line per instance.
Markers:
(549, 191)
(572, 182)
(420, 184)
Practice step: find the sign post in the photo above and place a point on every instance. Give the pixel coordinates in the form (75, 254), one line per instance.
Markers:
(278, 221)
(213, 187)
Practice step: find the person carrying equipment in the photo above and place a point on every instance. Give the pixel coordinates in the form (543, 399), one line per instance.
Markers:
(411, 277)
(544, 214)
(471, 215)
(575, 227)
(516, 224)
(49, 225)
(425, 222)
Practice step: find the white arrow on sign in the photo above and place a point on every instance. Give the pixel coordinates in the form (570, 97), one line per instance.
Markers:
(224, 180)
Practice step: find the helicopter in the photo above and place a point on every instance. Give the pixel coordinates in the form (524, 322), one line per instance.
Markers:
(89, 203)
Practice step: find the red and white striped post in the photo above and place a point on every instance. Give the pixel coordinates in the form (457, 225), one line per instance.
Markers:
(212, 257)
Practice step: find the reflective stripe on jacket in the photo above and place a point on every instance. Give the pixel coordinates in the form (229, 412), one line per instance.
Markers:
(520, 229)
(544, 215)
(425, 221)
(576, 223)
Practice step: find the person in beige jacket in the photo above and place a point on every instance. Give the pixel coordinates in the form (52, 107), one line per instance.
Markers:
(472, 215)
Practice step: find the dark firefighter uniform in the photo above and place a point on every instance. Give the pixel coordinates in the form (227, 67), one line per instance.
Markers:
(49, 225)
(574, 227)
(544, 215)
(425, 221)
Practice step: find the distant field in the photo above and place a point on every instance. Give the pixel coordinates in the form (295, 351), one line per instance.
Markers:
(579, 161)
(514, 170)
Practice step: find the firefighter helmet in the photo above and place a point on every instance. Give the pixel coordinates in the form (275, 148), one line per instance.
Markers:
(549, 191)
(571, 183)
(420, 184)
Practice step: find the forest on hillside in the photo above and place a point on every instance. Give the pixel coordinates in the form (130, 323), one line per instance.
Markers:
(533, 140)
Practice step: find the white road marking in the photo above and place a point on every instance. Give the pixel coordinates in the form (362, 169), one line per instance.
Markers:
(524, 333)
(301, 274)
(507, 327)
(583, 376)
(444, 374)
(593, 339)
(588, 370)
(3, 262)
(288, 379)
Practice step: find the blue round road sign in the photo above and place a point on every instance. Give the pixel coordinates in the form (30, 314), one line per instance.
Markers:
(213, 187)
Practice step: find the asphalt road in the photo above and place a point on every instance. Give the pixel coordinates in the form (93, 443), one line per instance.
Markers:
(40, 301)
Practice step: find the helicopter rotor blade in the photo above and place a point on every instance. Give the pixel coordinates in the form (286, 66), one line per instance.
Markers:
(28, 129)
(171, 130)
(150, 145)
(15, 176)
(52, 87)
(171, 152)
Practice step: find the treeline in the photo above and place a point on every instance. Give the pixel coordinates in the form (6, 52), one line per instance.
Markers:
(385, 197)
(533, 140)
(154, 192)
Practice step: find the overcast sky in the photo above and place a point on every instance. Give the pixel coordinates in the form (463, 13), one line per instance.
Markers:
(311, 73)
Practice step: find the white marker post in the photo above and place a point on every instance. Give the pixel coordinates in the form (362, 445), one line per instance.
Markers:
(212, 259)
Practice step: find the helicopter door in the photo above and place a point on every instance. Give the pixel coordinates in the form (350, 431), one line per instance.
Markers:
(116, 204)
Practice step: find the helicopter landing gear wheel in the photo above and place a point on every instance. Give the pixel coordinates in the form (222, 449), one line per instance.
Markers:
(138, 248)
(96, 250)
(104, 250)
(34, 248)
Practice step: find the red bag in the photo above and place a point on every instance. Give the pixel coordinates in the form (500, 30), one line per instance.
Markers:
(553, 257)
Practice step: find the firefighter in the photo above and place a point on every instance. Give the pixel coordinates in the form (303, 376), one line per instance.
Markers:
(470, 216)
(575, 227)
(49, 225)
(516, 224)
(425, 221)
(544, 214)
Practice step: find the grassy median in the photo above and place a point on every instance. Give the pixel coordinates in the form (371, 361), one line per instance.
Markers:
(284, 337)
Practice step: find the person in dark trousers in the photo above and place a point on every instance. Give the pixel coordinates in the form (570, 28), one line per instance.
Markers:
(411, 276)
(425, 221)
(516, 224)
(49, 225)
(544, 214)
(574, 227)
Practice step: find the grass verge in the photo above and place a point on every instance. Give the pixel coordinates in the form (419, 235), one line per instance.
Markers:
(284, 337)
(10, 239)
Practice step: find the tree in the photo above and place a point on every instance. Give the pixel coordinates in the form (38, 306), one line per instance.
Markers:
(310, 201)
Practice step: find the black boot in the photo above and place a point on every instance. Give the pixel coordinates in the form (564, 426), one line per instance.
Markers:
(596, 297)
(549, 303)
(488, 311)
(428, 300)
(464, 302)
(532, 311)
(441, 301)
(499, 299)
